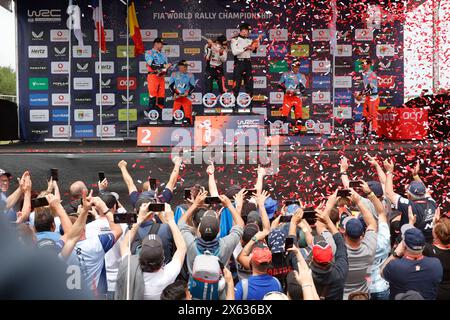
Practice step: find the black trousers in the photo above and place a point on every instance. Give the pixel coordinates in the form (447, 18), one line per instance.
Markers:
(214, 74)
(243, 71)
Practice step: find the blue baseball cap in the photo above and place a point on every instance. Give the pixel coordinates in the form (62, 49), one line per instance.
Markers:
(413, 237)
(417, 189)
(354, 228)
(376, 188)
(271, 206)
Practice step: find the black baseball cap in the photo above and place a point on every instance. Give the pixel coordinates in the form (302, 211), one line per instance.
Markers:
(249, 231)
(254, 217)
(4, 173)
(183, 63)
(152, 251)
(245, 26)
(109, 199)
(209, 227)
(221, 39)
(159, 40)
(376, 188)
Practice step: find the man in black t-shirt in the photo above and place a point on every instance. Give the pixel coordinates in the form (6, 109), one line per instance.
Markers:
(420, 201)
(408, 269)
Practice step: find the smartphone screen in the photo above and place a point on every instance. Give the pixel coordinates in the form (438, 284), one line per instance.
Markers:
(212, 200)
(128, 218)
(288, 243)
(310, 216)
(355, 184)
(39, 202)
(289, 202)
(156, 207)
(285, 218)
(187, 194)
(152, 183)
(54, 174)
(343, 193)
(101, 176)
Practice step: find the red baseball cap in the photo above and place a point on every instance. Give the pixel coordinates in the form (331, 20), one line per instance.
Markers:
(261, 255)
(322, 252)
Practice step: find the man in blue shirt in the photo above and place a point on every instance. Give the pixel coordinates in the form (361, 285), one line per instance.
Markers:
(157, 67)
(259, 283)
(182, 84)
(293, 84)
(408, 269)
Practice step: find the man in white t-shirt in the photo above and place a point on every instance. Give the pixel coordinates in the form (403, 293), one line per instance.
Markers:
(149, 264)
(101, 226)
(89, 252)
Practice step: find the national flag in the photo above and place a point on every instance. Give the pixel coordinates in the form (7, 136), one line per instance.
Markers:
(97, 15)
(74, 21)
(135, 30)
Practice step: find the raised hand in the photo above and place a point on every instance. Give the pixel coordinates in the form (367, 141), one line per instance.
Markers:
(200, 198)
(365, 187)
(372, 160)
(122, 164)
(354, 196)
(87, 201)
(143, 214)
(323, 217)
(261, 198)
(343, 164)
(50, 185)
(262, 171)
(388, 165)
(52, 200)
(239, 197)
(103, 185)
(415, 170)
(226, 202)
(298, 216)
(167, 215)
(210, 169)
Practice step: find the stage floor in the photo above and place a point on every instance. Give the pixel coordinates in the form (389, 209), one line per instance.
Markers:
(309, 172)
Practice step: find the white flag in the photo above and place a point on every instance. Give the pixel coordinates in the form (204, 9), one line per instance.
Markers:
(333, 39)
(74, 22)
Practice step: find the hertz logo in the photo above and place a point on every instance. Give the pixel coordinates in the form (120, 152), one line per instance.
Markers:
(192, 51)
(170, 35)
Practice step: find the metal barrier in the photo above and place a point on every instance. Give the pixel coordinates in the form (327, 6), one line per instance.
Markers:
(8, 97)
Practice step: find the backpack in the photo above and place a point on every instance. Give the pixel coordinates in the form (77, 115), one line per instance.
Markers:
(137, 243)
(206, 273)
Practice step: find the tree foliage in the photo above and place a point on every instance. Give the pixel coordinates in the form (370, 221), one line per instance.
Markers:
(7, 81)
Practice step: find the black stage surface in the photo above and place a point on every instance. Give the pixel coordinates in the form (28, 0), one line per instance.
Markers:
(307, 172)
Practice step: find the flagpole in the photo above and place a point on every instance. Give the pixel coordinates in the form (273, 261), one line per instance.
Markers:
(333, 48)
(128, 75)
(99, 36)
(69, 80)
